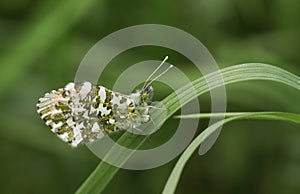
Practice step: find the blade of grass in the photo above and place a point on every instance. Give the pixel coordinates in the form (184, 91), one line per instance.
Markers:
(102, 175)
(173, 179)
(253, 115)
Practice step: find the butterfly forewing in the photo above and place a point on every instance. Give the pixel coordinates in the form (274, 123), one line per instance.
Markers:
(84, 112)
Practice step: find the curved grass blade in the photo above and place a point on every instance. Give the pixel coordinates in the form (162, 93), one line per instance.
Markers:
(102, 175)
(252, 115)
(177, 170)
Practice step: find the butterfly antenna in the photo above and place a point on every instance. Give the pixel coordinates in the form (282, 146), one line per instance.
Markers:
(166, 58)
(165, 71)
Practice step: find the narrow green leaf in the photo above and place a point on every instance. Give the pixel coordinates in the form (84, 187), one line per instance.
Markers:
(177, 170)
(245, 72)
(253, 115)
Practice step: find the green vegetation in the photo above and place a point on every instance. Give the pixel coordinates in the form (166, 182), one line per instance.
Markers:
(42, 44)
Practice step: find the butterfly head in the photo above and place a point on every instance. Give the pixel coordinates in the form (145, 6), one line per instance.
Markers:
(146, 94)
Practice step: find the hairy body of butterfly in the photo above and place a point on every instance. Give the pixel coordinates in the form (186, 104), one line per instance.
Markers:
(84, 112)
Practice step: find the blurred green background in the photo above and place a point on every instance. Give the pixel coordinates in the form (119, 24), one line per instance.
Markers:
(43, 42)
